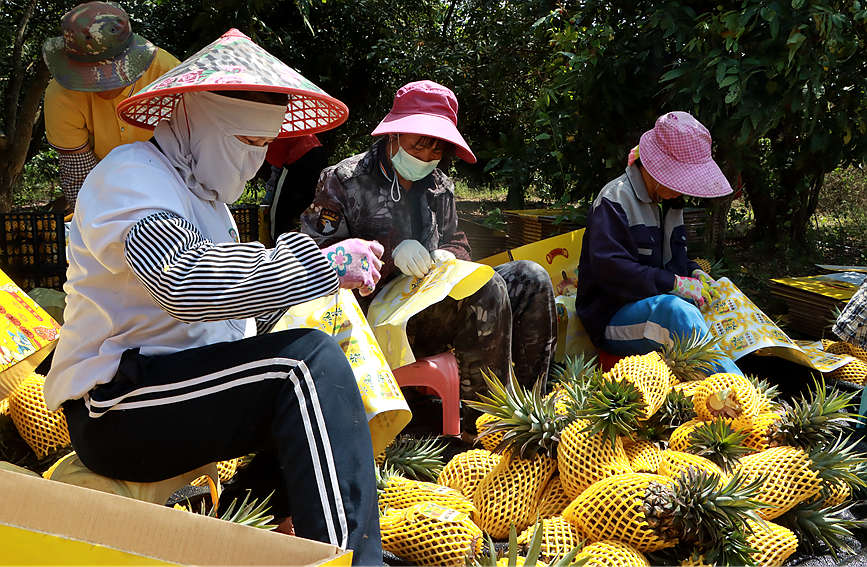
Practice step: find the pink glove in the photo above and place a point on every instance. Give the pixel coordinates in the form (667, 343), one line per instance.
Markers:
(689, 289)
(356, 262)
(708, 289)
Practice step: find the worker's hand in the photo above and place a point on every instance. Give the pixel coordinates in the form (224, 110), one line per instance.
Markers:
(439, 256)
(689, 289)
(708, 289)
(356, 262)
(412, 258)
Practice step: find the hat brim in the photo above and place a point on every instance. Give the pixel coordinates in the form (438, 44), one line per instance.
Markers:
(693, 179)
(426, 125)
(115, 73)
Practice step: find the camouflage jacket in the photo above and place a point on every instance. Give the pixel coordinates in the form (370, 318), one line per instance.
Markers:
(353, 200)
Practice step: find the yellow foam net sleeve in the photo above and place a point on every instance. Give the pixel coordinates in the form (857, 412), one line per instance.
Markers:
(491, 441)
(843, 347)
(405, 296)
(27, 335)
(558, 538)
(611, 509)
(674, 463)
(644, 456)
(429, 534)
(649, 373)
(756, 427)
(681, 438)
(402, 493)
(341, 317)
(553, 500)
(608, 553)
(789, 479)
(466, 470)
(43, 430)
(773, 543)
(509, 493)
(582, 459)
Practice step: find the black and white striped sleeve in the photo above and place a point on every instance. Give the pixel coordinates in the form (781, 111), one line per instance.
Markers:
(194, 279)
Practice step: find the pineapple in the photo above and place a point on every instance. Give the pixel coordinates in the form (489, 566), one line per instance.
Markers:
(693, 358)
(652, 512)
(644, 456)
(582, 458)
(251, 513)
(681, 438)
(773, 543)
(725, 395)
(554, 499)
(674, 463)
(466, 470)
(854, 372)
(429, 534)
(819, 527)
(704, 264)
(843, 347)
(649, 374)
(675, 411)
(559, 537)
(755, 428)
(508, 494)
(768, 393)
(43, 430)
(533, 548)
(610, 553)
(718, 442)
(398, 492)
(687, 388)
(415, 458)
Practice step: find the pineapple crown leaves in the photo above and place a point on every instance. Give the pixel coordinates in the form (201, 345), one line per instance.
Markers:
(765, 389)
(719, 443)
(419, 458)
(702, 510)
(526, 418)
(251, 513)
(817, 526)
(731, 548)
(839, 462)
(816, 419)
(383, 475)
(575, 369)
(613, 409)
(692, 358)
(532, 552)
(676, 409)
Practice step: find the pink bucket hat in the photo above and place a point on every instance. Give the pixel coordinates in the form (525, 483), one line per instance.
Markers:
(677, 153)
(428, 109)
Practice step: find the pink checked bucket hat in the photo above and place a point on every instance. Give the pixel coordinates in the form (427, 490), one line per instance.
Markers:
(235, 63)
(426, 108)
(98, 51)
(677, 153)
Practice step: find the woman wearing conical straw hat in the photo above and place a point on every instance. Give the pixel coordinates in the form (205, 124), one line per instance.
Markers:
(164, 363)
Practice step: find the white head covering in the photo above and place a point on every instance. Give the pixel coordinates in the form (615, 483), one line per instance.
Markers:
(200, 142)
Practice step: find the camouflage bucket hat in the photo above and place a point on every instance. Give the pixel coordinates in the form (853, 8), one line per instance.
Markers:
(98, 51)
(234, 63)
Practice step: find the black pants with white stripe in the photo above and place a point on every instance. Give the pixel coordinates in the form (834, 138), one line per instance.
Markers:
(291, 393)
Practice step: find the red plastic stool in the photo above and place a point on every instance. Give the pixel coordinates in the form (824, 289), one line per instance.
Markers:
(607, 360)
(440, 374)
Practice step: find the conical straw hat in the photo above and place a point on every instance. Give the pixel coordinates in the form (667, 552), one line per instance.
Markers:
(234, 62)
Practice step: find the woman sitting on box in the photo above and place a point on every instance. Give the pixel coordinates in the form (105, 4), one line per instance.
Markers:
(164, 361)
(636, 286)
(396, 194)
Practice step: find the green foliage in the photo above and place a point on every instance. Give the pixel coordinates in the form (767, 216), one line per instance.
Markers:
(40, 180)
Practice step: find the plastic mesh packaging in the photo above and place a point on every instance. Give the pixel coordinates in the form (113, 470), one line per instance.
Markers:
(774, 543)
(429, 534)
(466, 470)
(558, 538)
(583, 458)
(742, 397)
(554, 499)
(402, 493)
(608, 553)
(43, 430)
(650, 375)
(788, 479)
(491, 441)
(643, 456)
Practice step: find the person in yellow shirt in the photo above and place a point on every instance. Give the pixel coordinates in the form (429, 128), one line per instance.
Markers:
(96, 64)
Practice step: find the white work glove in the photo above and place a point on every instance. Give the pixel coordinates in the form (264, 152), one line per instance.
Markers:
(439, 256)
(412, 258)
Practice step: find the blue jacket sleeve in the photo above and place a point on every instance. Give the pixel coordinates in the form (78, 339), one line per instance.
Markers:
(614, 255)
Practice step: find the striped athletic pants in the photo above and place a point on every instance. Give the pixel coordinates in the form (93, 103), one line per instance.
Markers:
(290, 393)
(645, 325)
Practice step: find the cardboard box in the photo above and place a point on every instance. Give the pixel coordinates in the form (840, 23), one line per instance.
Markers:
(44, 522)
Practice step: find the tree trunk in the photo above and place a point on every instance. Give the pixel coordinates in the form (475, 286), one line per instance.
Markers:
(764, 206)
(515, 197)
(13, 153)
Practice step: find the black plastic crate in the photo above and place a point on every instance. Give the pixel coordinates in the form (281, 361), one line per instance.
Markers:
(33, 248)
(247, 219)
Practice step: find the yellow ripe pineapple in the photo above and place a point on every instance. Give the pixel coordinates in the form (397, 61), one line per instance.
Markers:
(691, 358)
(644, 456)
(650, 375)
(43, 430)
(855, 372)
(681, 437)
(675, 463)
(466, 470)
(651, 512)
(773, 543)
(688, 388)
(429, 534)
(843, 347)
(554, 499)
(788, 478)
(550, 536)
(491, 441)
(398, 492)
(704, 264)
(584, 458)
(559, 537)
(725, 395)
(610, 553)
(756, 429)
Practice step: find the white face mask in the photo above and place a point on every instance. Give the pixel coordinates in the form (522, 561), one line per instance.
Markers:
(410, 167)
(200, 142)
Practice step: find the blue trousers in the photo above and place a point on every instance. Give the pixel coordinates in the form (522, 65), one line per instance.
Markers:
(644, 326)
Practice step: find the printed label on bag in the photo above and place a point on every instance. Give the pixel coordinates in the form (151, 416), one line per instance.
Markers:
(440, 513)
